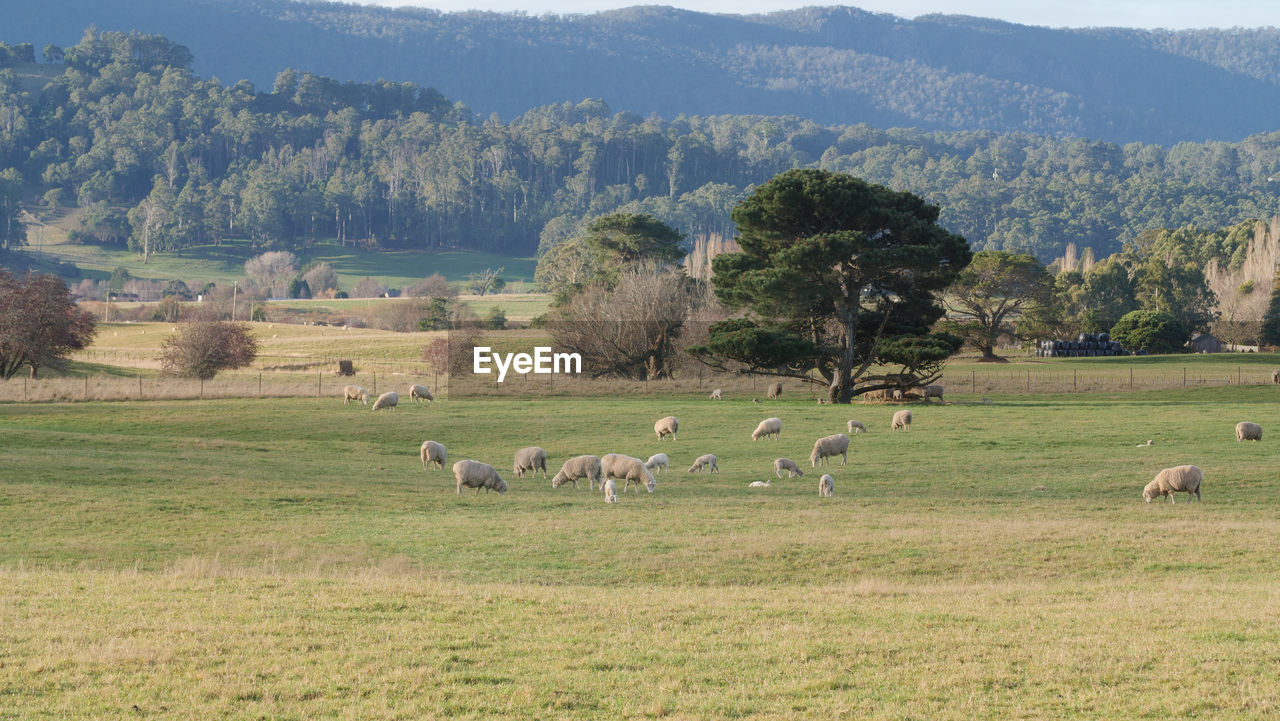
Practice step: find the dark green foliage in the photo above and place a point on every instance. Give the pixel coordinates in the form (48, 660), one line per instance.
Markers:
(992, 293)
(1150, 330)
(495, 319)
(298, 288)
(436, 315)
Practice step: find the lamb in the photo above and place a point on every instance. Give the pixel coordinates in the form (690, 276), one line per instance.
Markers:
(901, 420)
(932, 391)
(717, 395)
(758, 484)
(837, 445)
(626, 468)
(775, 390)
(587, 467)
(707, 461)
(1148, 443)
(433, 452)
(788, 465)
(530, 459)
(610, 491)
(417, 392)
(1179, 479)
(1246, 431)
(387, 400)
(354, 393)
(857, 427)
(826, 486)
(666, 426)
(656, 461)
(768, 427)
(477, 475)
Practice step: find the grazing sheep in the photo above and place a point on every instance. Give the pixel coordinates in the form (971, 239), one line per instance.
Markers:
(768, 427)
(666, 426)
(587, 467)
(390, 399)
(837, 445)
(656, 461)
(1275, 377)
(826, 486)
(755, 400)
(857, 427)
(897, 394)
(610, 491)
(530, 459)
(717, 395)
(477, 475)
(775, 390)
(707, 461)
(758, 484)
(433, 452)
(901, 420)
(932, 391)
(1246, 431)
(1179, 479)
(788, 465)
(417, 392)
(354, 393)
(631, 470)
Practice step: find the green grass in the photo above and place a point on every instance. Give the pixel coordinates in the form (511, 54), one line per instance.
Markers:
(292, 559)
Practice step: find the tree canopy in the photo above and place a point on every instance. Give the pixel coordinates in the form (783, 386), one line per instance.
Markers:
(40, 325)
(991, 293)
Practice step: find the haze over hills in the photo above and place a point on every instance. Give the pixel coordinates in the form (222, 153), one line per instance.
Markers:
(836, 65)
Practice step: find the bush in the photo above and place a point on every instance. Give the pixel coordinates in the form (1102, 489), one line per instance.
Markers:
(368, 288)
(1153, 331)
(433, 286)
(168, 310)
(495, 319)
(204, 345)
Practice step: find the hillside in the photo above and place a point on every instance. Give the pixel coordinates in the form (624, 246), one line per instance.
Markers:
(835, 65)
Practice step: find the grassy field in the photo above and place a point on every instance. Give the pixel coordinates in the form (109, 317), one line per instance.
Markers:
(291, 559)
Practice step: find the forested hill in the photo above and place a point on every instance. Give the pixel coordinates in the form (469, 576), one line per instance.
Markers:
(835, 65)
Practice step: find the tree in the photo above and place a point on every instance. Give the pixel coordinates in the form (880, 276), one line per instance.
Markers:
(1106, 295)
(1271, 319)
(621, 240)
(836, 273)
(40, 324)
(13, 232)
(993, 291)
(320, 277)
(272, 270)
(1153, 331)
(433, 286)
(368, 288)
(1178, 289)
(486, 281)
(565, 269)
(205, 345)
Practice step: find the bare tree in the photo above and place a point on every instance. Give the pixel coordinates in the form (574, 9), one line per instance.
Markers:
(205, 345)
(433, 286)
(272, 270)
(39, 323)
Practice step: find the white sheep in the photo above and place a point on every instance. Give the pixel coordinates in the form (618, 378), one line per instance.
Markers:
(1246, 431)
(417, 392)
(932, 391)
(704, 461)
(775, 391)
(666, 427)
(433, 452)
(610, 491)
(477, 475)
(788, 465)
(626, 468)
(901, 420)
(390, 399)
(530, 459)
(717, 395)
(656, 461)
(354, 393)
(768, 427)
(1275, 377)
(836, 445)
(587, 467)
(1148, 443)
(857, 427)
(1179, 479)
(758, 484)
(826, 486)
(897, 394)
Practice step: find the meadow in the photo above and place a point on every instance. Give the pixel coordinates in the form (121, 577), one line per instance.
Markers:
(290, 558)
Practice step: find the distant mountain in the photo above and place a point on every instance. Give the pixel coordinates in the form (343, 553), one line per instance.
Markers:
(836, 65)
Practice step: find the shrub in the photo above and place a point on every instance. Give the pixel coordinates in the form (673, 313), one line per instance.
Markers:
(204, 345)
(1151, 330)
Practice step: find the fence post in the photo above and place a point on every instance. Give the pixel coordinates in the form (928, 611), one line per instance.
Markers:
(202, 388)
(259, 384)
(1130, 378)
(319, 376)
(86, 388)
(1028, 381)
(24, 389)
(1074, 380)
(1184, 377)
(139, 386)
(375, 384)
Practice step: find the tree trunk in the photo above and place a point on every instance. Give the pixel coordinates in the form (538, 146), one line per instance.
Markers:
(34, 367)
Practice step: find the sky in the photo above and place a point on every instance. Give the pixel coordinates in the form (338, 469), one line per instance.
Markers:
(1170, 14)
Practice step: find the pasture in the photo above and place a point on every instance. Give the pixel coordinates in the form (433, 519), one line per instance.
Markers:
(290, 558)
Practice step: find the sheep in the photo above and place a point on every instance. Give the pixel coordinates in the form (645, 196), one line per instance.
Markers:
(1275, 377)
(610, 491)
(631, 470)
(857, 427)
(706, 461)
(530, 459)
(417, 392)
(897, 394)
(788, 465)
(830, 446)
(656, 461)
(775, 390)
(901, 420)
(932, 391)
(717, 395)
(1179, 479)
(433, 452)
(387, 400)
(768, 427)
(758, 484)
(587, 467)
(826, 486)
(1246, 431)
(477, 475)
(1148, 443)
(666, 427)
(354, 393)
